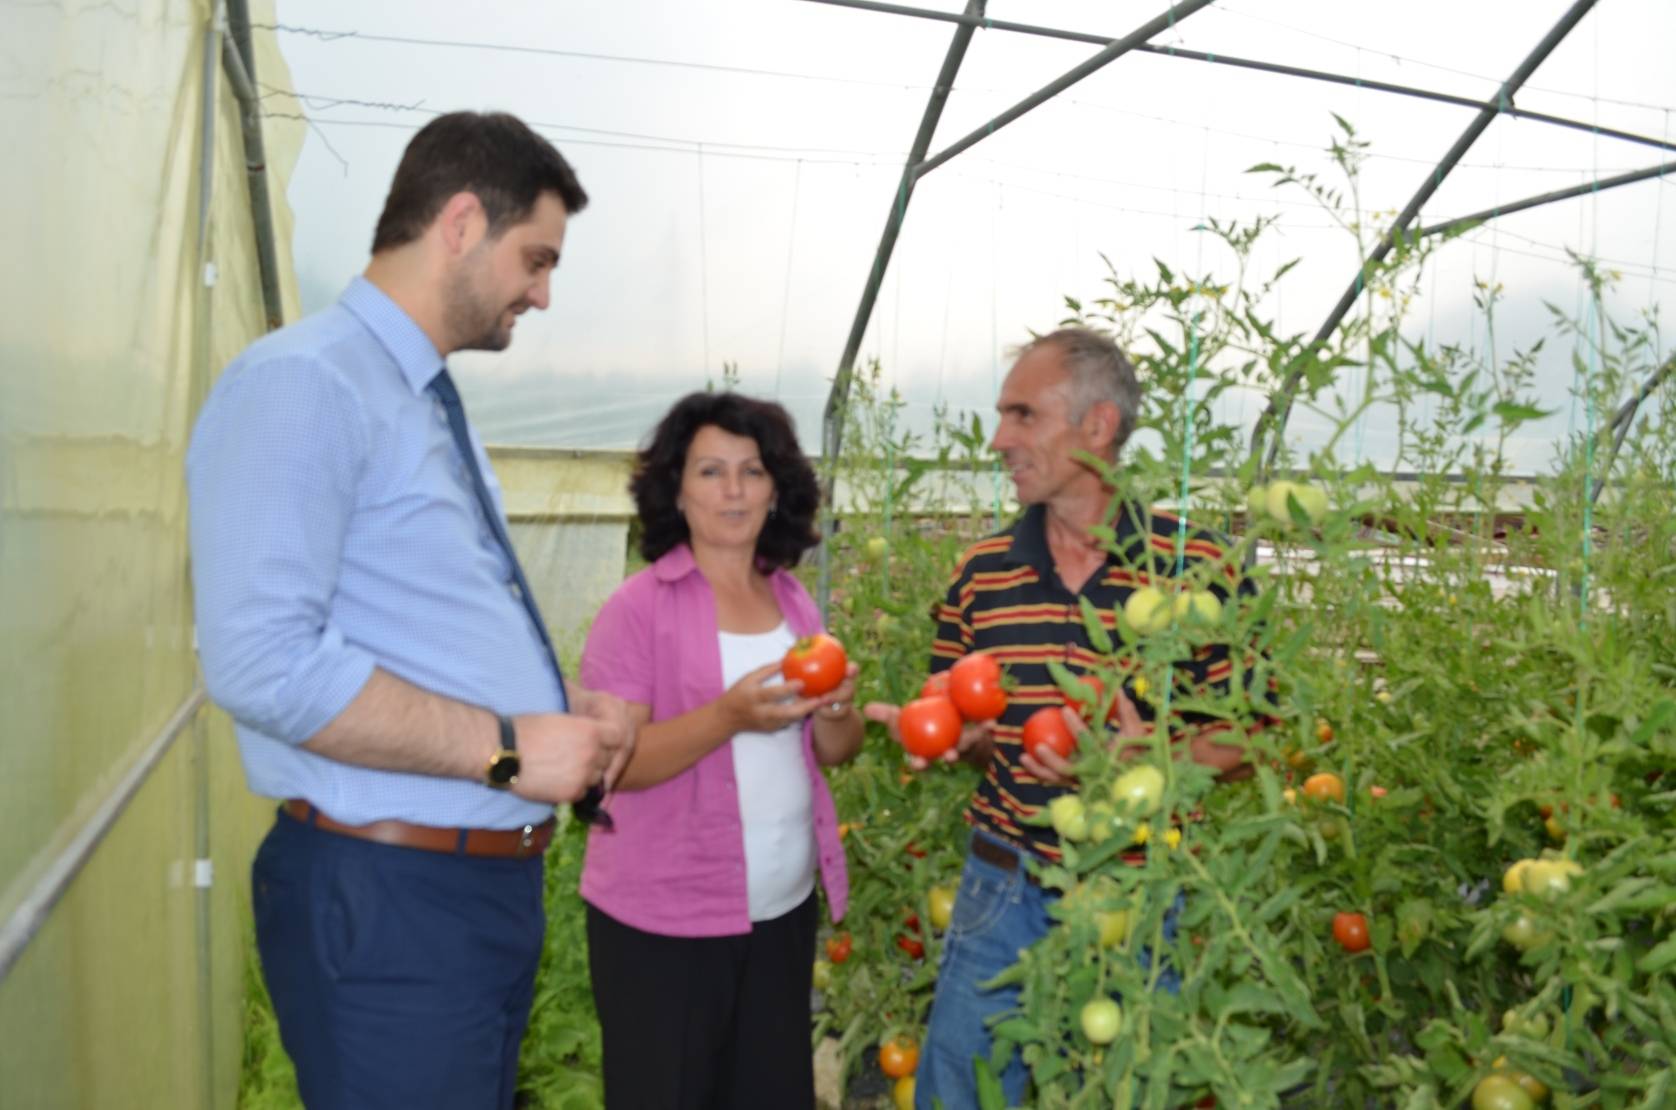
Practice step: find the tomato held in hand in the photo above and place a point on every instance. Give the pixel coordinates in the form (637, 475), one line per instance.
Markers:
(1351, 931)
(929, 726)
(937, 684)
(1046, 728)
(975, 687)
(818, 662)
(838, 948)
(899, 1057)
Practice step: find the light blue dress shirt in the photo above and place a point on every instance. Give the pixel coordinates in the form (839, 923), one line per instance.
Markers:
(334, 530)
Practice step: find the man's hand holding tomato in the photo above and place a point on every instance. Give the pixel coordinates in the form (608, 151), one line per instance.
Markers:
(975, 745)
(1053, 769)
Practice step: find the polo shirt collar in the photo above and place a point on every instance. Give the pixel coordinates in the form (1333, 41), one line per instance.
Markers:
(1030, 546)
(403, 339)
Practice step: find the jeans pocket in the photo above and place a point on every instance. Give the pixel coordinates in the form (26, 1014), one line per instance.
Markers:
(985, 891)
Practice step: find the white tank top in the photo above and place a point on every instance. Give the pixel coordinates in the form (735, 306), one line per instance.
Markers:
(775, 801)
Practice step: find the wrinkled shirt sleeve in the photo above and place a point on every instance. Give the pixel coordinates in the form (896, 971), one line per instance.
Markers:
(272, 477)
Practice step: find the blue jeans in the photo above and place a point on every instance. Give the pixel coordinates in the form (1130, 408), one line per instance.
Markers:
(996, 913)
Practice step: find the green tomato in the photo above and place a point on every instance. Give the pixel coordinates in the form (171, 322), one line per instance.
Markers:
(1101, 1019)
(1523, 933)
(1498, 1092)
(1275, 500)
(1313, 501)
(1550, 877)
(877, 546)
(1138, 790)
(1147, 610)
(1256, 503)
(1070, 819)
(1203, 606)
(823, 975)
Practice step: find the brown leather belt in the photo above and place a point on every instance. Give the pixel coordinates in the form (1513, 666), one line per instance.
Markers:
(1004, 858)
(531, 840)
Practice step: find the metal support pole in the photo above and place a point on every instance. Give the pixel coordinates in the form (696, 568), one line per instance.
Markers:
(54, 878)
(1624, 418)
(238, 59)
(832, 421)
(1259, 66)
(1547, 198)
(1280, 405)
(1114, 50)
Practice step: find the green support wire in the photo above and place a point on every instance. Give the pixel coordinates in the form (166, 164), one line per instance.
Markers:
(1186, 476)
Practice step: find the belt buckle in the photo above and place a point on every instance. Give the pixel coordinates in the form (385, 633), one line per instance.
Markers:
(526, 839)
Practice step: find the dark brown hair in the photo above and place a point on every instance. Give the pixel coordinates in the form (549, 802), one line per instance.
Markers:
(790, 528)
(493, 155)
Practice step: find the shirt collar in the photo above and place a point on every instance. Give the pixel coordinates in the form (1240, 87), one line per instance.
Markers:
(396, 331)
(1030, 546)
(675, 564)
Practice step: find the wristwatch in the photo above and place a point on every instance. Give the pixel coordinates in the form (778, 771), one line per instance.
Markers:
(504, 765)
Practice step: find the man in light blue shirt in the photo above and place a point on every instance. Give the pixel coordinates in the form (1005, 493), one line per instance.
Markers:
(362, 616)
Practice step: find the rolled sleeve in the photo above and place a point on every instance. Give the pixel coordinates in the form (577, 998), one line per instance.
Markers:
(272, 477)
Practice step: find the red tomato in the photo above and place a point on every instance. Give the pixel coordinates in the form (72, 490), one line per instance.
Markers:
(914, 948)
(898, 1058)
(975, 687)
(818, 662)
(1046, 728)
(1351, 931)
(929, 726)
(914, 850)
(1325, 787)
(838, 947)
(935, 685)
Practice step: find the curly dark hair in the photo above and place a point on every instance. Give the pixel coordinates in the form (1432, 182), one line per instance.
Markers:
(789, 530)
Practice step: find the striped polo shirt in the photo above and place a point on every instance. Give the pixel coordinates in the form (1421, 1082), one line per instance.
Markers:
(1006, 599)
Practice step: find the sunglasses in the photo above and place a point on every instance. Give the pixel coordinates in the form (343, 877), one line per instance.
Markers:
(589, 809)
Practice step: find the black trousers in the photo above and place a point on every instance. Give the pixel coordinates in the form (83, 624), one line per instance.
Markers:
(706, 1023)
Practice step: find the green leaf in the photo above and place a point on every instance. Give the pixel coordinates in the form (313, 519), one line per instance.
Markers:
(1098, 638)
(1661, 957)
(990, 1094)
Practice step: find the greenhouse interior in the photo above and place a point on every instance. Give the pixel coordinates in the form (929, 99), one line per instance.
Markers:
(1292, 375)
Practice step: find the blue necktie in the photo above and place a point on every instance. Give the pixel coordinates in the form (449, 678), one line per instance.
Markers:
(442, 387)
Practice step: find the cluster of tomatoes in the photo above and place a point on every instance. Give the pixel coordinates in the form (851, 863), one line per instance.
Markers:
(969, 691)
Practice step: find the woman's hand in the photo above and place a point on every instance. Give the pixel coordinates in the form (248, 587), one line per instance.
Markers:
(756, 704)
(838, 703)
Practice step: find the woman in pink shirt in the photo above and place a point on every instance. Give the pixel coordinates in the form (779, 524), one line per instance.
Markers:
(701, 904)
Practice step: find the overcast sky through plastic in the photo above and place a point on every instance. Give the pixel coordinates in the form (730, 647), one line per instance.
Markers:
(742, 155)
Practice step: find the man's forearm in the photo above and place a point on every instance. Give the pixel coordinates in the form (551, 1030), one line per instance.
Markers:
(393, 725)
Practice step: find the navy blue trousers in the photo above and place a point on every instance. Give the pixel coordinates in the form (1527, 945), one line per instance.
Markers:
(400, 978)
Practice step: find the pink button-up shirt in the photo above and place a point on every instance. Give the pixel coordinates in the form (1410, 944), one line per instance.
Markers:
(676, 862)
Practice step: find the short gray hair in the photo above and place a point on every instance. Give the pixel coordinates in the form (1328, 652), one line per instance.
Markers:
(1099, 372)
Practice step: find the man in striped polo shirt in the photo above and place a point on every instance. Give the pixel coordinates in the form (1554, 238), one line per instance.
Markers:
(1016, 596)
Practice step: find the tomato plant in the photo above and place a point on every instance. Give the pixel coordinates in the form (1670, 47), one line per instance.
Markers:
(1046, 728)
(929, 726)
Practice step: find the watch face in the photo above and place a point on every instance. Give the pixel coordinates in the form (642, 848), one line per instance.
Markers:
(503, 769)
